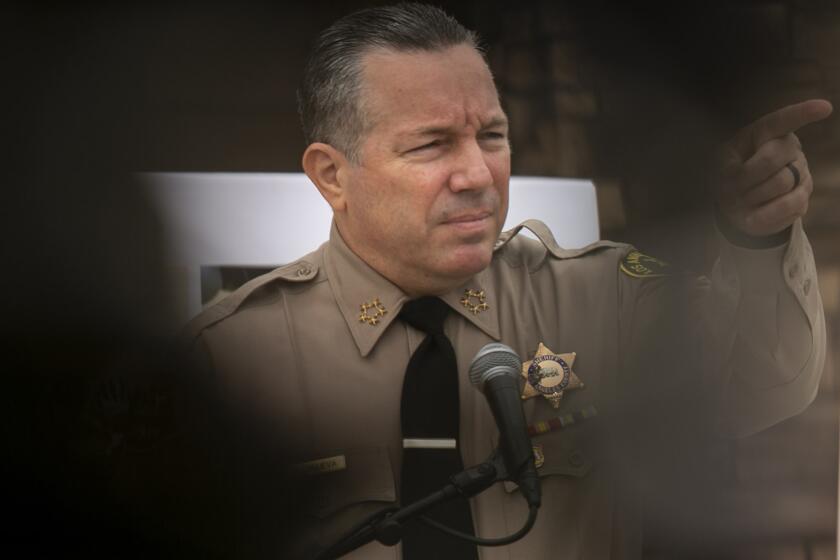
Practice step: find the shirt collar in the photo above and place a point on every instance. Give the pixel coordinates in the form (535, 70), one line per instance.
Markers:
(465, 300)
(355, 284)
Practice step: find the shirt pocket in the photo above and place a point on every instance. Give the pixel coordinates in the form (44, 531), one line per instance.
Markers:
(559, 454)
(367, 477)
(342, 488)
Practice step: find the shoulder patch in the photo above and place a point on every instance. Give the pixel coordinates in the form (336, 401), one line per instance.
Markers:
(638, 265)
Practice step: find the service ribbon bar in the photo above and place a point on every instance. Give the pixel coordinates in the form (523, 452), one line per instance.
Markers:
(562, 421)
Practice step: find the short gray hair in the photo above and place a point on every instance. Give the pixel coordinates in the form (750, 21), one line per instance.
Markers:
(329, 99)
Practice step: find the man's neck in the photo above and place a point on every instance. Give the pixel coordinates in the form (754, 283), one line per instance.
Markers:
(414, 283)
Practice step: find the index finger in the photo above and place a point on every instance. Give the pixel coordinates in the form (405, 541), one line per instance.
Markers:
(779, 123)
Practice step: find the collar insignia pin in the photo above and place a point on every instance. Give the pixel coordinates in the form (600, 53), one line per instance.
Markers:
(379, 311)
(475, 301)
(549, 374)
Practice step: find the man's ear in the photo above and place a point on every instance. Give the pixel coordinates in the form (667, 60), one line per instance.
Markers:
(326, 166)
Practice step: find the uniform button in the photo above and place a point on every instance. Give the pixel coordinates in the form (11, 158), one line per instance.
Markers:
(794, 270)
(576, 459)
(304, 270)
(806, 287)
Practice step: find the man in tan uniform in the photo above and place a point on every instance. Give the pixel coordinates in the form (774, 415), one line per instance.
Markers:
(408, 144)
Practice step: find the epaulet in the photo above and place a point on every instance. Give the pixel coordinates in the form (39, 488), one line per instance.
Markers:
(547, 239)
(302, 270)
(633, 263)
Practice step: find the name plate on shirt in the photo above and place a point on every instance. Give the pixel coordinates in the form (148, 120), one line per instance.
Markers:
(320, 466)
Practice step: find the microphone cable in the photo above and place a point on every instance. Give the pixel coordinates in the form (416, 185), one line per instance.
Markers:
(529, 523)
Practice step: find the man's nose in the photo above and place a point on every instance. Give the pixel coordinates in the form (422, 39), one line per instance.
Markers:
(471, 171)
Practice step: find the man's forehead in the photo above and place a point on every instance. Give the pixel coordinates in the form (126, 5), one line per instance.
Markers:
(413, 82)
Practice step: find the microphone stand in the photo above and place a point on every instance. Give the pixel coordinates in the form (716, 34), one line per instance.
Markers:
(386, 526)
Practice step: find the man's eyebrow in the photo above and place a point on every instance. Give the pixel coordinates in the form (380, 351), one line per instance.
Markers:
(428, 130)
(445, 129)
(496, 122)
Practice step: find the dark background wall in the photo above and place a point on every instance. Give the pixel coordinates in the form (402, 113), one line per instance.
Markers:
(631, 94)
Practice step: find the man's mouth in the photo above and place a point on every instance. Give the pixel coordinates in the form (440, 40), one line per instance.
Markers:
(469, 217)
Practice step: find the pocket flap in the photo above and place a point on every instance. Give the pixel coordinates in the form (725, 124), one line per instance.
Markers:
(351, 476)
(557, 459)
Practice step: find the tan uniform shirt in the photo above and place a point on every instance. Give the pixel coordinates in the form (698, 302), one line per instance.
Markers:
(294, 349)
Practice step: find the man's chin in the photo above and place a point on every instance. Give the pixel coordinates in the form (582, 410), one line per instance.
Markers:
(469, 261)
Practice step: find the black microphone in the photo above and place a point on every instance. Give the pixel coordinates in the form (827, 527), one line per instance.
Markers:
(495, 370)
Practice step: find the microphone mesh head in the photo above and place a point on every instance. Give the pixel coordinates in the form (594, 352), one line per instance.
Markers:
(494, 359)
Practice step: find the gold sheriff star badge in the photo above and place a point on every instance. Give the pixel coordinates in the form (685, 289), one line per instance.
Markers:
(549, 375)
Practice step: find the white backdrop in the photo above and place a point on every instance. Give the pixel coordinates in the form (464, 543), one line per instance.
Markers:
(268, 219)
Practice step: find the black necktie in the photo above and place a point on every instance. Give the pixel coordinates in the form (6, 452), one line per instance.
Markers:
(429, 410)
